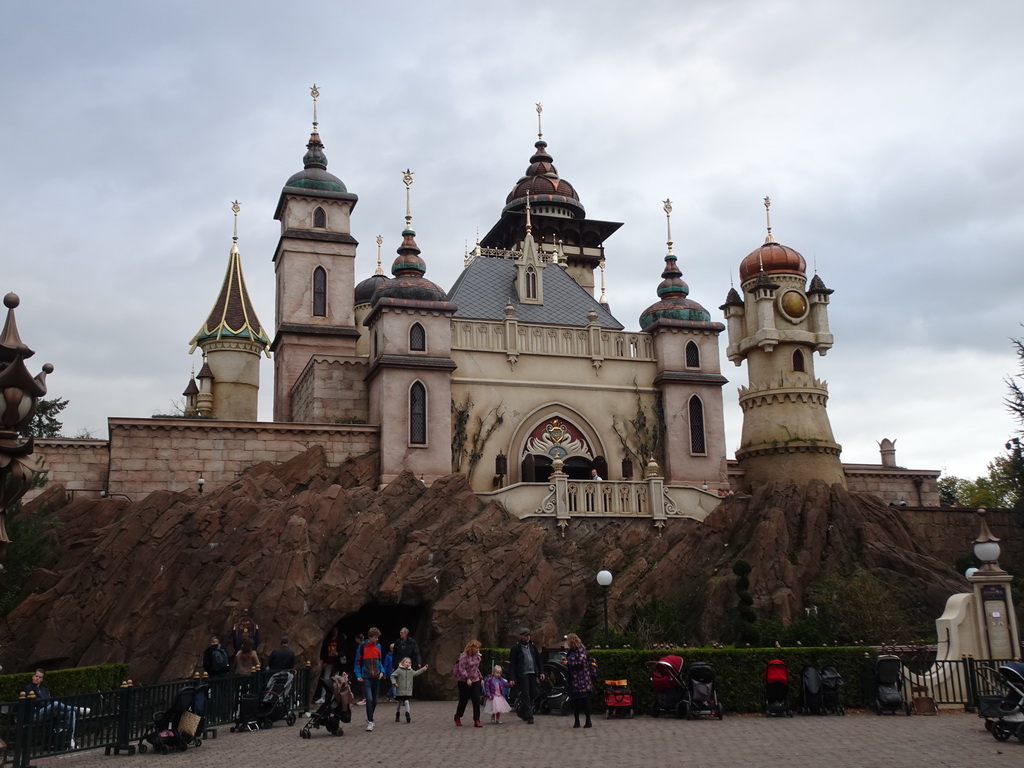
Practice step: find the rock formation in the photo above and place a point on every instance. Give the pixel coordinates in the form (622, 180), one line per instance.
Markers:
(305, 545)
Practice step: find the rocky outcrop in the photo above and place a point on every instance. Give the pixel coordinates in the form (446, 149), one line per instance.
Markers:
(305, 545)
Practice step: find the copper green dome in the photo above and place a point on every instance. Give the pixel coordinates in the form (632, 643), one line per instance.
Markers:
(674, 303)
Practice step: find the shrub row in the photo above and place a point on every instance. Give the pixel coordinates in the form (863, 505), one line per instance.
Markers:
(67, 682)
(738, 671)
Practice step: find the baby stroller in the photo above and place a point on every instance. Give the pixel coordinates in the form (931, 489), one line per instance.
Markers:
(776, 689)
(618, 699)
(812, 700)
(700, 687)
(554, 689)
(888, 684)
(255, 712)
(180, 726)
(333, 712)
(831, 680)
(1004, 715)
(669, 686)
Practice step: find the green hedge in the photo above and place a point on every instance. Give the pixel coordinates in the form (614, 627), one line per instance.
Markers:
(67, 682)
(738, 672)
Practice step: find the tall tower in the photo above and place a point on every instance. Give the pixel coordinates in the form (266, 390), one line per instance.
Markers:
(410, 376)
(777, 326)
(315, 365)
(688, 379)
(232, 340)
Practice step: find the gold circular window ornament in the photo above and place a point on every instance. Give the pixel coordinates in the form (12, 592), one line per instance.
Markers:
(794, 304)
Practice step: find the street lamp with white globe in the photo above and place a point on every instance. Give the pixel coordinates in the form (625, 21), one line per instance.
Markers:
(604, 580)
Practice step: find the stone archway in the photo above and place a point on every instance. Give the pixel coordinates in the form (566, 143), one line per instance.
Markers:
(389, 619)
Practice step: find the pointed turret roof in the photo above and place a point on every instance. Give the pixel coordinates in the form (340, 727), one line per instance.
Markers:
(233, 315)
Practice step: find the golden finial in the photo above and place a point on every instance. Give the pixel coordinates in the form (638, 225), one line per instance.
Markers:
(540, 108)
(235, 207)
(667, 205)
(603, 299)
(529, 226)
(768, 217)
(315, 92)
(380, 242)
(407, 180)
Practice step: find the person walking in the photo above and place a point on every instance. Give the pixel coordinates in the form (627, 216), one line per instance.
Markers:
(402, 680)
(406, 646)
(369, 671)
(525, 669)
(467, 672)
(330, 659)
(581, 679)
(495, 691)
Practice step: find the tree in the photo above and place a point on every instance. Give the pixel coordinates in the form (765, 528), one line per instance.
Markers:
(996, 490)
(1015, 404)
(45, 422)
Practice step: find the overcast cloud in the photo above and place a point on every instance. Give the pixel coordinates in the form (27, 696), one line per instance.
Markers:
(887, 134)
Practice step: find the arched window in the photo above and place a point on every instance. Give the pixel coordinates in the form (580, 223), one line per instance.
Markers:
(417, 338)
(531, 283)
(697, 442)
(692, 355)
(798, 361)
(418, 414)
(319, 218)
(320, 292)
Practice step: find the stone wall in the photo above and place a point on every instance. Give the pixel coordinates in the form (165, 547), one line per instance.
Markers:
(146, 455)
(79, 465)
(949, 533)
(917, 487)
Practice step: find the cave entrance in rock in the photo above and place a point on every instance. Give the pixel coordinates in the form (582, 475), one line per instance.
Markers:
(389, 619)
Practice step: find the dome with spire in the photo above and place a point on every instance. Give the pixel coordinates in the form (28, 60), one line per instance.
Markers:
(366, 288)
(674, 303)
(314, 175)
(543, 185)
(774, 259)
(408, 283)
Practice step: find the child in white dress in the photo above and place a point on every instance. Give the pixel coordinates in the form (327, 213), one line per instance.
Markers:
(495, 691)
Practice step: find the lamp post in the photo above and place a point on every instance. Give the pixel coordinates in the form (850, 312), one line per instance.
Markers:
(604, 580)
(995, 615)
(19, 398)
(201, 482)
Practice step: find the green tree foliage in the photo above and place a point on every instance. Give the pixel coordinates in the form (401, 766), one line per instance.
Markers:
(999, 489)
(31, 547)
(45, 422)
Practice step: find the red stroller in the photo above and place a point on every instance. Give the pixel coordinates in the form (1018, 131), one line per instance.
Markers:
(670, 691)
(776, 689)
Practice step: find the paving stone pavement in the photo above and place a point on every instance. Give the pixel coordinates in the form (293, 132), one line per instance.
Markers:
(859, 740)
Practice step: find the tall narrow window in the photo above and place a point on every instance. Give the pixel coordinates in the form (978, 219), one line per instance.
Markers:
(692, 355)
(531, 283)
(417, 338)
(319, 218)
(320, 292)
(697, 442)
(798, 361)
(418, 414)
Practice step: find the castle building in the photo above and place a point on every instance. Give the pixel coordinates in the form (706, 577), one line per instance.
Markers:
(517, 377)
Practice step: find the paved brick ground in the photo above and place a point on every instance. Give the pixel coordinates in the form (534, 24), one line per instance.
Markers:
(859, 740)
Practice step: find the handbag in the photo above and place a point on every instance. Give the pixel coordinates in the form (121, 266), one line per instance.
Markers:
(189, 723)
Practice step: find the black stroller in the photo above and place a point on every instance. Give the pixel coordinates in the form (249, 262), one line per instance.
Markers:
(888, 686)
(776, 689)
(554, 689)
(180, 726)
(262, 711)
(831, 681)
(701, 692)
(812, 699)
(333, 712)
(1004, 715)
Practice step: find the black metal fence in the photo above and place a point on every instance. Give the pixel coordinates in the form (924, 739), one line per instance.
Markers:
(961, 682)
(116, 720)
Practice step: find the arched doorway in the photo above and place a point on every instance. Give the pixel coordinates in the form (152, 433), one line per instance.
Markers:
(389, 619)
(558, 437)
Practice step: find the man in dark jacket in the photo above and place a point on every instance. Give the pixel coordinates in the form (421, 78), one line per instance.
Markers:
(282, 657)
(525, 669)
(406, 647)
(215, 658)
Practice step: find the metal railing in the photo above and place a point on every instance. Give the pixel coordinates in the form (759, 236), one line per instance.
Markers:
(116, 721)
(964, 682)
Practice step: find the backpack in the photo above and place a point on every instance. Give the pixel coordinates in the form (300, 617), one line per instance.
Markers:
(219, 661)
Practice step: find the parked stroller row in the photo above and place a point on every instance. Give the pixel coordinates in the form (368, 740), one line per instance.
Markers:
(684, 691)
(819, 690)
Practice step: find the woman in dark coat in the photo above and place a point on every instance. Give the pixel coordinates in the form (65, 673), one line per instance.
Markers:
(581, 682)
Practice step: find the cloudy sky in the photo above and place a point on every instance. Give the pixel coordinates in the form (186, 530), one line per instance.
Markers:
(888, 135)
